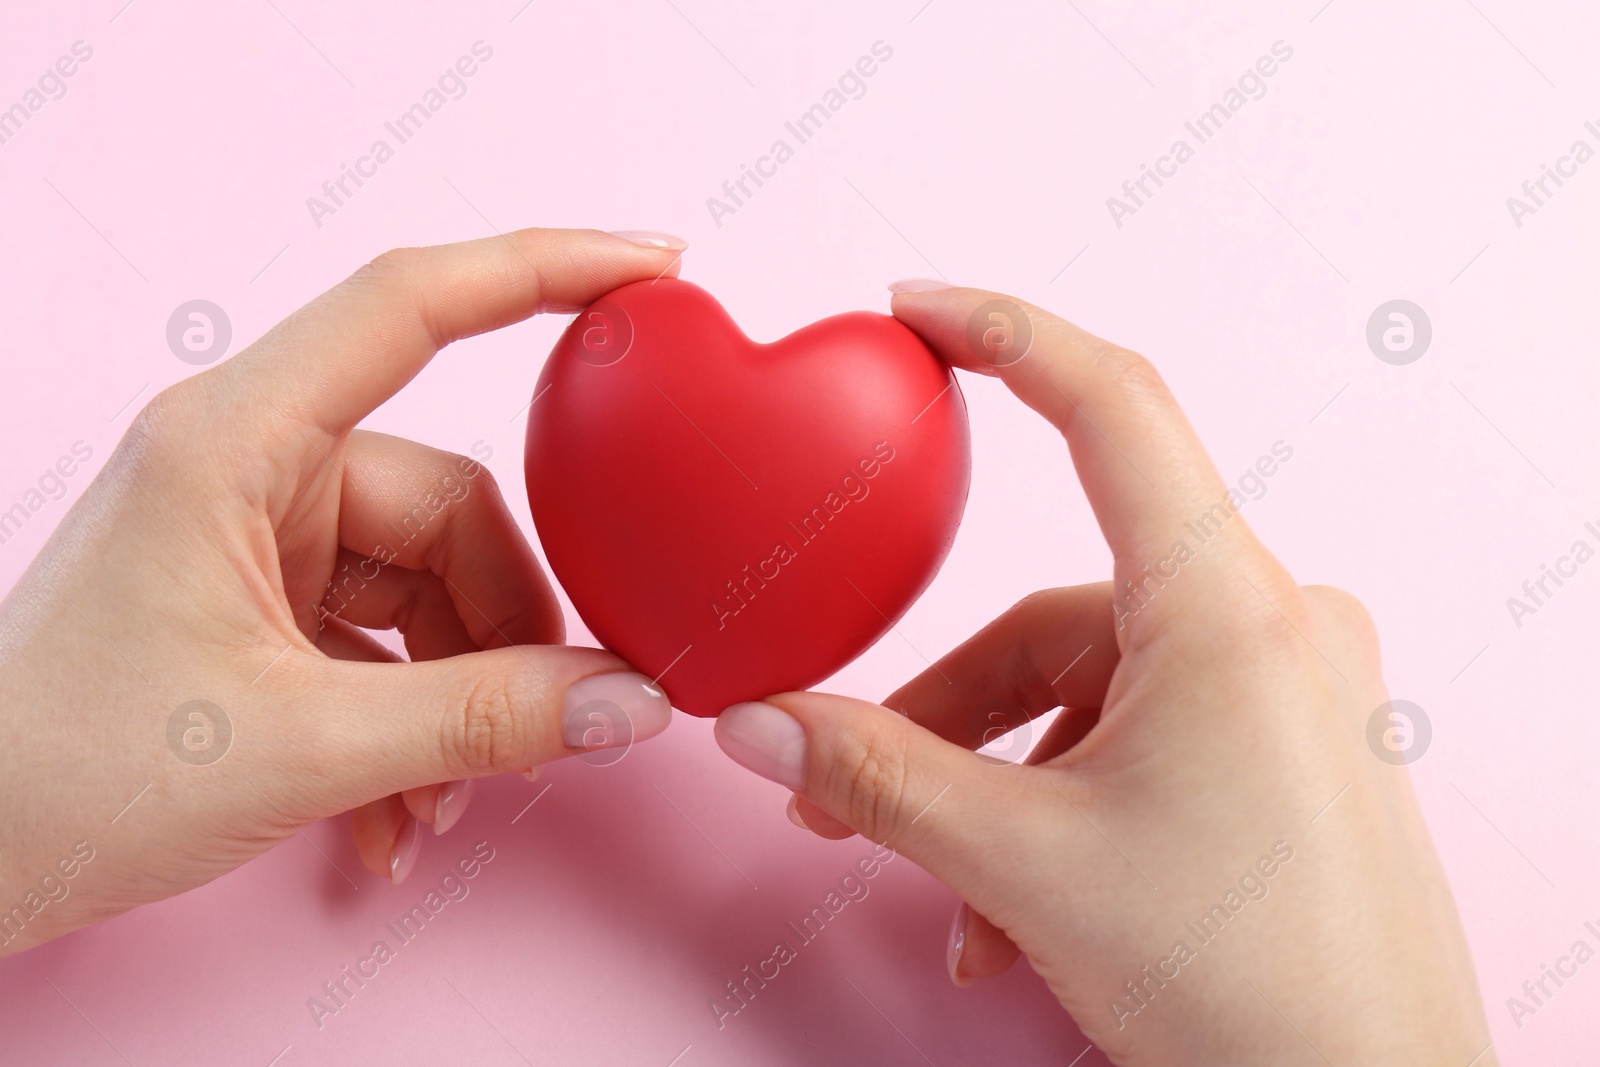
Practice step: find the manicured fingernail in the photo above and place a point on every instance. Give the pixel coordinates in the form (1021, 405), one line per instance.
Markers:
(613, 711)
(793, 811)
(958, 945)
(452, 804)
(763, 739)
(918, 285)
(665, 242)
(406, 848)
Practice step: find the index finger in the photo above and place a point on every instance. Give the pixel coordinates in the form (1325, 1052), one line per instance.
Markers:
(336, 359)
(1145, 471)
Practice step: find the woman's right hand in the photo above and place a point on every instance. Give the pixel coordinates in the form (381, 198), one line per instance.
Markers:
(1203, 859)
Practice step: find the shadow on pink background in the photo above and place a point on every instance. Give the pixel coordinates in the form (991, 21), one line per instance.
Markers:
(1376, 166)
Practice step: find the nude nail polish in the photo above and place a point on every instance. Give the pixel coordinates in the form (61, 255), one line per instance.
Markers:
(957, 946)
(793, 811)
(613, 711)
(918, 285)
(661, 242)
(766, 740)
(406, 849)
(451, 805)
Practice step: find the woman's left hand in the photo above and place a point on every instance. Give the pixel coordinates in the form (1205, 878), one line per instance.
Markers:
(185, 676)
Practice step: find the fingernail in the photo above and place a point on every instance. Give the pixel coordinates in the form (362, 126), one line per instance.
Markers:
(613, 711)
(918, 285)
(452, 804)
(406, 848)
(651, 239)
(763, 739)
(793, 811)
(958, 945)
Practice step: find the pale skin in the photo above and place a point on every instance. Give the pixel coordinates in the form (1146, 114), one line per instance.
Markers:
(1203, 729)
(1214, 716)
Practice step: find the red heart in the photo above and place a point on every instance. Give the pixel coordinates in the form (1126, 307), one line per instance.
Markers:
(738, 519)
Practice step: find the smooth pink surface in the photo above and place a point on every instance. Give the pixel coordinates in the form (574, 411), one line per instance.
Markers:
(1377, 166)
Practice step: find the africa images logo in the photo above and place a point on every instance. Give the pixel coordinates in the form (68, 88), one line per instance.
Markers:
(853, 487)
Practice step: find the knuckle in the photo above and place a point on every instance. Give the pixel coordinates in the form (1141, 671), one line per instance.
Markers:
(395, 265)
(485, 733)
(1345, 605)
(396, 281)
(1017, 674)
(1039, 605)
(1129, 371)
(486, 487)
(479, 473)
(157, 418)
(876, 784)
(1345, 612)
(163, 428)
(1278, 625)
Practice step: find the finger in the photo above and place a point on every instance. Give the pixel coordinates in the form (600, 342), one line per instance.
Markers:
(340, 640)
(1052, 649)
(353, 347)
(808, 816)
(1009, 673)
(978, 948)
(1143, 468)
(431, 512)
(400, 726)
(438, 557)
(439, 806)
(884, 777)
(422, 802)
(418, 604)
(1070, 727)
(375, 826)
(387, 838)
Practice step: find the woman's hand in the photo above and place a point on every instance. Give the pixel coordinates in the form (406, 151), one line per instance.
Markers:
(1205, 861)
(238, 541)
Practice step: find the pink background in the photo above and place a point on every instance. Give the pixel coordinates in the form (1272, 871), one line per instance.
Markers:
(1376, 167)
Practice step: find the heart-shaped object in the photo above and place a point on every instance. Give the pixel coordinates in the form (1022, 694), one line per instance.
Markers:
(738, 519)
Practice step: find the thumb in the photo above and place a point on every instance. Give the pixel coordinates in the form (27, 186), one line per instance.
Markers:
(397, 726)
(882, 775)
